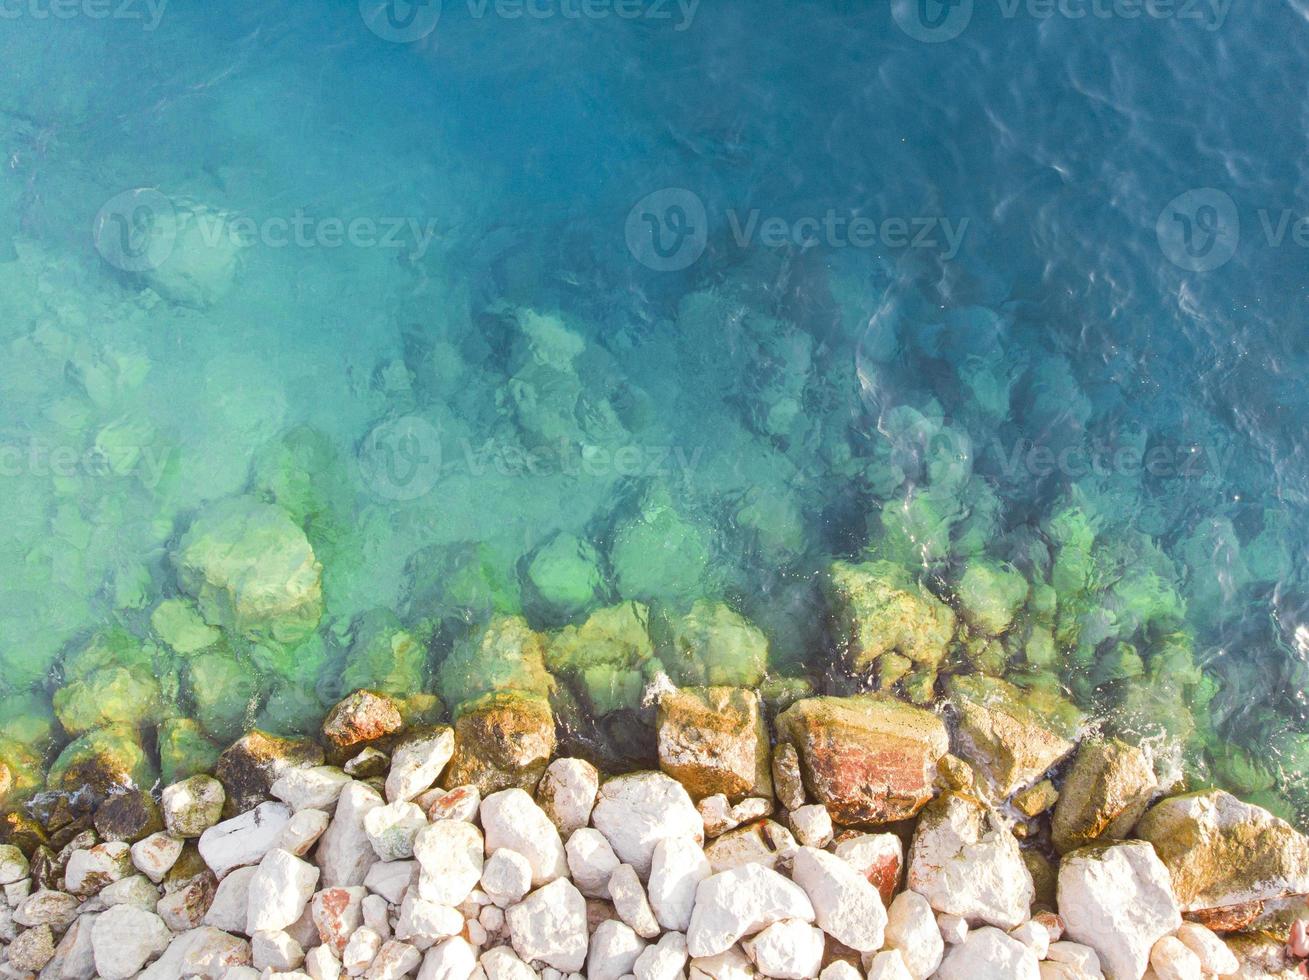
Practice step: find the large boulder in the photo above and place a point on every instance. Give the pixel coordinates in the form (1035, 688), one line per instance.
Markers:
(252, 571)
(1104, 794)
(508, 656)
(878, 608)
(868, 759)
(1221, 852)
(712, 645)
(109, 681)
(608, 660)
(714, 740)
(502, 741)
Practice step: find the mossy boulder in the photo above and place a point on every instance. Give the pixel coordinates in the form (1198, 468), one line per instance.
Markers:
(712, 645)
(608, 660)
(715, 740)
(252, 571)
(508, 656)
(28, 719)
(502, 741)
(179, 625)
(101, 761)
(361, 718)
(878, 608)
(564, 578)
(384, 656)
(1104, 794)
(184, 750)
(21, 772)
(659, 555)
(224, 692)
(111, 680)
(990, 595)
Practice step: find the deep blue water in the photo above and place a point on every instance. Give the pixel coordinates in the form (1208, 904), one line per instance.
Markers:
(1076, 246)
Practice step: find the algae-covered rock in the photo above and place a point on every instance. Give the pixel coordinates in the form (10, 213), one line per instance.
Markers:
(109, 696)
(867, 758)
(21, 772)
(1104, 794)
(384, 656)
(1004, 733)
(878, 609)
(252, 571)
(502, 741)
(1223, 852)
(224, 692)
(608, 659)
(714, 740)
(184, 750)
(27, 719)
(712, 645)
(990, 595)
(251, 764)
(659, 555)
(102, 760)
(564, 576)
(182, 628)
(508, 656)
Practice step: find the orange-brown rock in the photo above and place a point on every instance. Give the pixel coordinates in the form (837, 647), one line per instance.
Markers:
(363, 717)
(502, 741)
(1232, 918)
(714, 740)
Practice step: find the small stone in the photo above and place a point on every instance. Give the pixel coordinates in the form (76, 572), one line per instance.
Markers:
(275, 951)
(636, 811)
(128, 816)
(1035, 800)
(1081, 958)
(203, 952)
(840, 970)
(614, 951)
(368, 764)
(739, 902)
(32, 950)
(418, 761)
(630, 902)
(13, 864)
(953, 928)
(912, 929)
(676, 870)
(790, 950)
(591, 861)
(360, 951)
(502, 963)
(74, 957)
(506, 877)
(988, 954)
(878, 857)
(322, 963)
(550, 926)
(124, 939)
(394, 961)
(156, 854)
(344, 852)
(460, 803)
(1034, 936)
(766, 842)
(245, 839)
(192, 806)
(186, 901)
(665, 960)
(889, 965)
(303, 831)
(316, 787)
(1212, 952)
(449, 854)
(50, 908)
(454, 959)
(732, 965)
(337, 913)
(391, 879)
(512, 819)
(787, 781)
(255, 761)
(422, 922)
(231, 902)
(363, 717)
(133, 890)
(812, 825)
(567, 793)
(279, 891)
(846, 906)
(91, 869)
(391, 829)
(377, 915)
(1171, 959)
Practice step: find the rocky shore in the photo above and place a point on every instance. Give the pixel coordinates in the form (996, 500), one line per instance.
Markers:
(845, 837)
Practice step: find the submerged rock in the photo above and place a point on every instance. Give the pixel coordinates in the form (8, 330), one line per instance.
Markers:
(384, 657)
(714, 740)
(508, 656)
(712, 645)
(868, 759)
(252, 571)
(502, 741)
(878, 609)
(564, 576)
(102, 761)
(184, 750)
(224, 691)
(990, 595)
(1104, 794)
(360, 718)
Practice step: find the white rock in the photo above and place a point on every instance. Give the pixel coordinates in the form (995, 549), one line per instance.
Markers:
(591, 861)
(134, 890)
(549, 926)
(153, 856)
(1213, 953)
(630, 903)
(231, 902)
(840, 970)
(279, 891)
(989, 954)
(912, 929)
(192, 806)
(453, 959)
(614, 951)
(321, 963)
(394, 961)
(676, 870)
(732, 965)
(449, 854)
(13, 865)
(318, 787)
(424, 923)
(50, 908)
(460, 803)
(502, 963)
(90, 869)
(954, 929)
(303, 831)
(344, 853)
(789, 950)
(567, 794)
(243, 840)
(506, 877)
(872, 854)
(512, 819)
(203, 952)
(636, 811)
(1082, 959)
(417, 762)
(1171, 959)
(391, 879)
(476, 934)
(377, 915)
(360, 951)
(74, 957)
(889, 965)
(336, 914)
(1119, 901)
(739, 902)
(391, 829)
(492, 919)
(965, 862)
(1034, 936)
(276, 951)
(665, 960)
(812, 825)
(846, 906)
(124, 939)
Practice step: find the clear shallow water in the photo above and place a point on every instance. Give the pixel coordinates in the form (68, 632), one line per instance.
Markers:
(786, 270)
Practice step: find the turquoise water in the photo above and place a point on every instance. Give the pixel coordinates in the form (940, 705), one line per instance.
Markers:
(541, 308)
